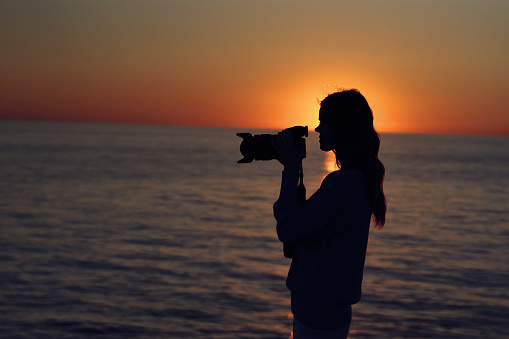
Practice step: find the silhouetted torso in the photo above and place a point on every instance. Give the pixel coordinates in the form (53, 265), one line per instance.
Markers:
(331, 233)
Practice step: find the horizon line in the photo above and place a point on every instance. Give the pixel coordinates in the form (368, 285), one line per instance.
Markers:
(311, 129)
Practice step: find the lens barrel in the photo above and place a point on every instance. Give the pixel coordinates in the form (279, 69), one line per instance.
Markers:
(259, 147)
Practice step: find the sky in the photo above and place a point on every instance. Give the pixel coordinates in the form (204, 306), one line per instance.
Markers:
(424, 66)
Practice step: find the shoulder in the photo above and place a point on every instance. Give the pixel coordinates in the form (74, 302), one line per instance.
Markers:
(344, 178)
(347, 183)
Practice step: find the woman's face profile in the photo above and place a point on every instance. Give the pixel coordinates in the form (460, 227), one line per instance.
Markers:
(325, 131)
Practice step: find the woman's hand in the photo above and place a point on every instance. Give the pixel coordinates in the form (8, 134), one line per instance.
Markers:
(288, 153)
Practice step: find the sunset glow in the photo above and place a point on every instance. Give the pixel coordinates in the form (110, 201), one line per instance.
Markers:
(425, 67)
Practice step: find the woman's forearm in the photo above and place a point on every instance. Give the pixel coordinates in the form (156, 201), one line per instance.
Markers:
(287, 204)
(289, 184)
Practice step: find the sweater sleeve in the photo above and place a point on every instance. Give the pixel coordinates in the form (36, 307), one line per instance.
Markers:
(298, 223)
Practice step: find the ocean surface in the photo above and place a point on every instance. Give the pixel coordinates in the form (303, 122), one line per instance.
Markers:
(130, 231)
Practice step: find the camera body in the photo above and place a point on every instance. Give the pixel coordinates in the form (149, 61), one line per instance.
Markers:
(259, 147)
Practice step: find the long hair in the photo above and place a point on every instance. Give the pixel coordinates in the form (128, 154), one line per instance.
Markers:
(356, 144)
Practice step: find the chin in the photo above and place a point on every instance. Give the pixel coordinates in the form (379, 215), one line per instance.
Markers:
(325, 148)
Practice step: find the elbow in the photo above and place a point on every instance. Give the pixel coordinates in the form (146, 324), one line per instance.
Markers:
(284, 233)
(282, 238)
(286, 223)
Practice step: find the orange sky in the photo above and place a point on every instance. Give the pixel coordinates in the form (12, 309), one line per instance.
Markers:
(424, 66)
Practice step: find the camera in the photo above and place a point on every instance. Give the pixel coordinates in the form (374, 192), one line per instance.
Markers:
(259, 147)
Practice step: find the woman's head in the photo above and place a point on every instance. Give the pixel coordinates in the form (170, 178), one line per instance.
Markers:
(346, 127)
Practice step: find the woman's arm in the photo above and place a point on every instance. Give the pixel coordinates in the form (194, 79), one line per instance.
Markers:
(337, 205)
(298, 222)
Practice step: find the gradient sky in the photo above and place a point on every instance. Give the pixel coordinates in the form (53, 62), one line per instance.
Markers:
(424, 66)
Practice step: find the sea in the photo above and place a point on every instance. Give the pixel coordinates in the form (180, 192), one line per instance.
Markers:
(141, 231)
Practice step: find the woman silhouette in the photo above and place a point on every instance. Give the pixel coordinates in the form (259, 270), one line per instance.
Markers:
(330, 229)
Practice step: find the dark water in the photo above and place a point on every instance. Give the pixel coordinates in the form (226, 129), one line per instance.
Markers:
(111, 231)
